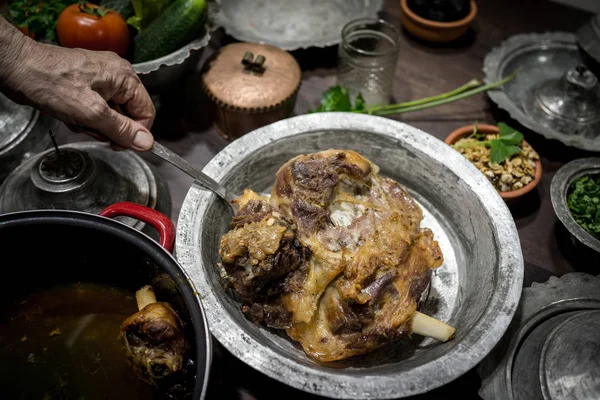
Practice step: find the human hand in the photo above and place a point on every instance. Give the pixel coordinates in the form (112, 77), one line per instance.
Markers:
(88, 90)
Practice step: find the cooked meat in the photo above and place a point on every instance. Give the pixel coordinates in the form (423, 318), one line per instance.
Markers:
(259, 253)
(360, 257)
(154, 338)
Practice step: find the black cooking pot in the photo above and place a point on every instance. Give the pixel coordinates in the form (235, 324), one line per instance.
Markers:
(51, 247)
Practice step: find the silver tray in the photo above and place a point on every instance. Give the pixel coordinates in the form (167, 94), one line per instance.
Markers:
(291, 24)
(570, 295)
(538, 58)
(476, 289)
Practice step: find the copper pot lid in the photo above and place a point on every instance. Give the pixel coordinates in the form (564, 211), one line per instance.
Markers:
(251, 77)
(84, 176)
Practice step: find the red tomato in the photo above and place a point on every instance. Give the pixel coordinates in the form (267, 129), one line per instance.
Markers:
(92, 27)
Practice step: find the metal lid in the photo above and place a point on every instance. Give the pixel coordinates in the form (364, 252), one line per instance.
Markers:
(571, 100)
(554, 93)
(23, 132)
(251, 77)
(84, 176)
(551, 350)
(570, 362)
(588, 40)
(14, 120)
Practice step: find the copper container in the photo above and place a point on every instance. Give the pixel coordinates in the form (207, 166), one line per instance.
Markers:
(250, 85)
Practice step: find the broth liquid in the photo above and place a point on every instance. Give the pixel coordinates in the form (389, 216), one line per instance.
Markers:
(63, 343)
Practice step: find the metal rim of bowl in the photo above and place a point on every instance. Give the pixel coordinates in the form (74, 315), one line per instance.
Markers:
(479, 340)
(493, 66)
(234, 31)
(176, 57)
(558, 194)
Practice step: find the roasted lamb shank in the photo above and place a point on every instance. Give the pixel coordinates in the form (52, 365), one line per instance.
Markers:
(336, 256)
(154, 338)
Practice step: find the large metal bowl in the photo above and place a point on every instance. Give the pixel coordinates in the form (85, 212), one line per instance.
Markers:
(477, 289)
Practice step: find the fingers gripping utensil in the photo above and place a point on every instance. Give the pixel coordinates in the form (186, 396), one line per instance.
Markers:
(204, 180)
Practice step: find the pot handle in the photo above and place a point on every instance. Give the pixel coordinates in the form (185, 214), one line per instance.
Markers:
(158, 220)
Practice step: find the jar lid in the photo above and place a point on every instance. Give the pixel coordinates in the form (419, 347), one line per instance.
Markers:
(87, 177)
(251, 77)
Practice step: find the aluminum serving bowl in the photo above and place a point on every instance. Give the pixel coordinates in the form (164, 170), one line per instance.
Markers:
(559, 189)
(476, 290)
(159, 74)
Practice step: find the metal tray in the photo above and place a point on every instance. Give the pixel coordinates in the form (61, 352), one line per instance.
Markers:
(291, 24)
(577, 374)
(476, 289)
(538, 59)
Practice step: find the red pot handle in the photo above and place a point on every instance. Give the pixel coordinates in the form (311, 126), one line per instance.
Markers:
(158, 220)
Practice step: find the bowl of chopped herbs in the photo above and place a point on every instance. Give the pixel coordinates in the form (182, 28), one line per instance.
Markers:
(575, 194)
(501, 154)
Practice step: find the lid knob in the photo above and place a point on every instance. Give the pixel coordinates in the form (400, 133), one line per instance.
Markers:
(582, 77)
(64, 171)
(572, 99)
(253, 64)
(61, 166)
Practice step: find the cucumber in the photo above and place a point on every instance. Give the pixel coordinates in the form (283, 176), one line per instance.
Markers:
(175, 27)
(123, 7)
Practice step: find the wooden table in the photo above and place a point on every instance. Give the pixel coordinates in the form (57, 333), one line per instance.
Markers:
(423, 70)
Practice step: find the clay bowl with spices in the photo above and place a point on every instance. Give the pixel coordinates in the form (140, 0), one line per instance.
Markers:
(514, 177)
(441, 22)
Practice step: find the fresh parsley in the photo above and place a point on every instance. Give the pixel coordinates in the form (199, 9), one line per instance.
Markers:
(337, 98)
(507, 144)
(584, 203)
(39, 17)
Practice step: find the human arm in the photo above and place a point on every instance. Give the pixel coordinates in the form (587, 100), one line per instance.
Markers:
(84, 89)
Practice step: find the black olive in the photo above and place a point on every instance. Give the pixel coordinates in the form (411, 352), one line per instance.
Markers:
(440, 10)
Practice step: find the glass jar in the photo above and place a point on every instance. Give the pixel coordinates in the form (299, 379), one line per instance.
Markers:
(367, 59)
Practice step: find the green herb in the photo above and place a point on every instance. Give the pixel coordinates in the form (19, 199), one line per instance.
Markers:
(508, 143)
(337, 98)
(39, 17)
(476, 134)
(584, 203)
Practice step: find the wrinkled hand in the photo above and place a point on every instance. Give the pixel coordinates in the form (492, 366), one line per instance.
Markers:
(90, 91)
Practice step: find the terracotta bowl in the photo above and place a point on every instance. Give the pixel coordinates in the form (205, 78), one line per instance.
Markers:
(512, 195)
(434, 31)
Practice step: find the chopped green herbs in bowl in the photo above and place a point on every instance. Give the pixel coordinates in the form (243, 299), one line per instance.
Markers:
(575, 195)
(584, 203)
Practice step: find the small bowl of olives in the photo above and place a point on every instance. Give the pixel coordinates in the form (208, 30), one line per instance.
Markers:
(438, 21)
